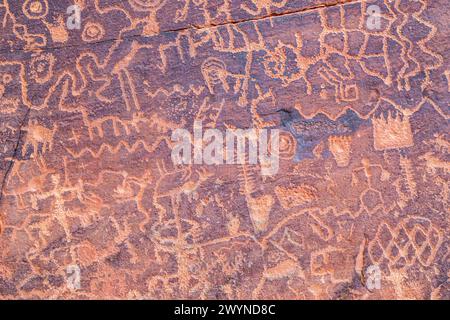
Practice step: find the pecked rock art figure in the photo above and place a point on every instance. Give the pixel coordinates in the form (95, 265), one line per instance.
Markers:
(88, 182)
(342, 59)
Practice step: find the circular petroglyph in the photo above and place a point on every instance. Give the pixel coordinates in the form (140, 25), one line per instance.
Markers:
(6, 78)
(288, 145)
(42, 68)
(93, 32)
(35, 9)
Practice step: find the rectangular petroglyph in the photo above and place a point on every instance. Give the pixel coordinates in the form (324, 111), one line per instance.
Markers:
(336, 185)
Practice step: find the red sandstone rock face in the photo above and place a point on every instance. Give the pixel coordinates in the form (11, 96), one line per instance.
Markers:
(89, 187)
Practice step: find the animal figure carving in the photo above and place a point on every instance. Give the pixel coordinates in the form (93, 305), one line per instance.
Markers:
(38, 135)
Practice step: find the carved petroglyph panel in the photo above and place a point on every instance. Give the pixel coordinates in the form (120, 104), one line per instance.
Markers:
(87, 177)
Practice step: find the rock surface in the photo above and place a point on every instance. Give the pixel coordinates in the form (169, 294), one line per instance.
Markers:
(89, 191)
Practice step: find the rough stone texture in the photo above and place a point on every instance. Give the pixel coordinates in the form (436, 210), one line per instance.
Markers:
(86, 118)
